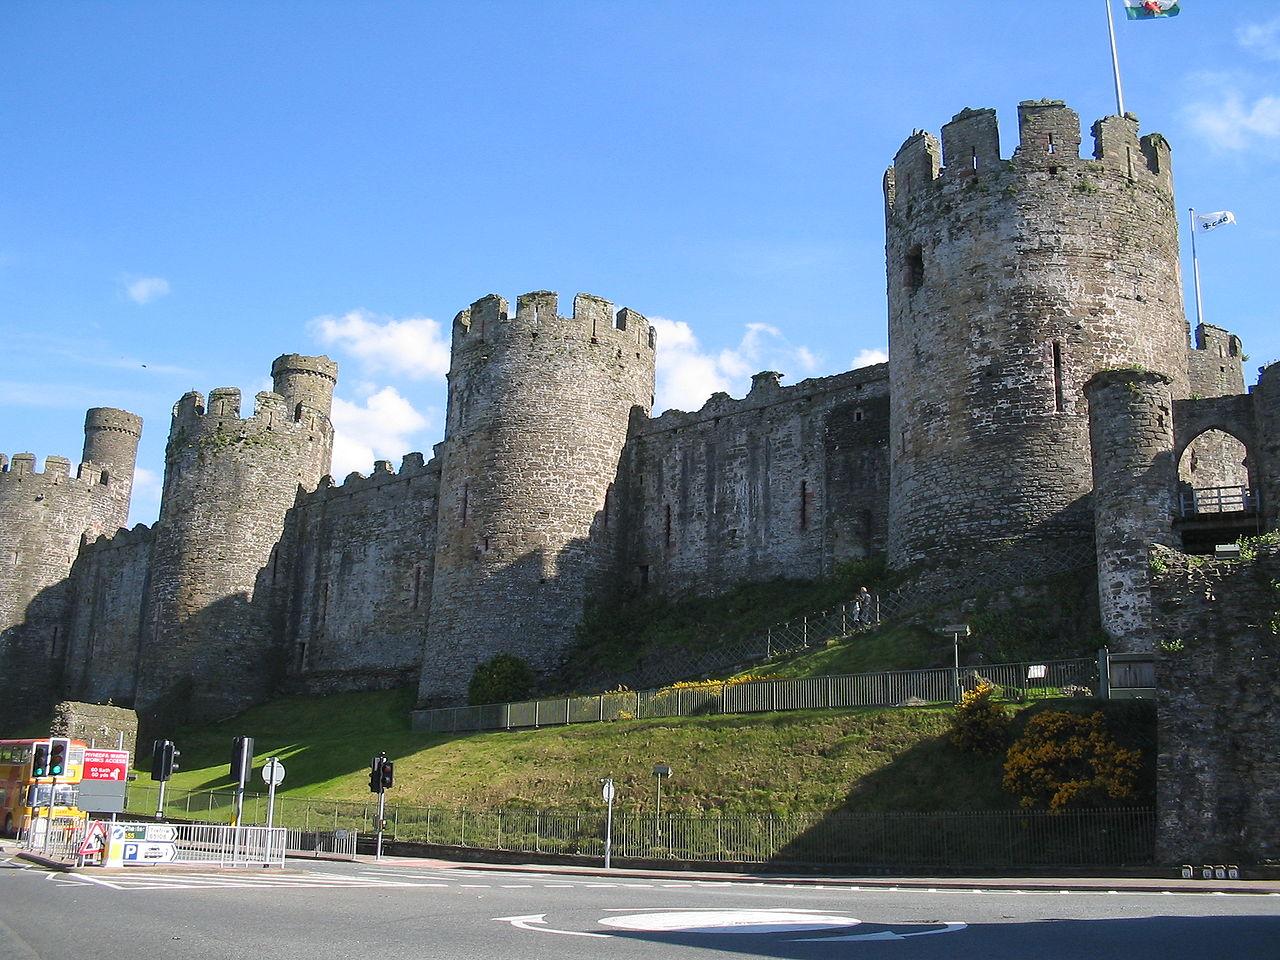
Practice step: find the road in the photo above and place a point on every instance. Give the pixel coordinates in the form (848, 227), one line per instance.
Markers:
(393, 910)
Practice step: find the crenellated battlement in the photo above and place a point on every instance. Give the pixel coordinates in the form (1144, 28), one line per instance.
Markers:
(221, 415)
(767, 393)
(21, 468)
(412, 466)
(124, 538)
(1049, 142)
(488, 321)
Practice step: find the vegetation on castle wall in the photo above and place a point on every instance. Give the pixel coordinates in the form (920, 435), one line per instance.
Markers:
(980, 724)
(502, 679)
(1067, 759)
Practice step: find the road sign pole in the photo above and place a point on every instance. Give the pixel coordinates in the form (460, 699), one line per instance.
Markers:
(608, 820)
(48, 826)
(382, 806)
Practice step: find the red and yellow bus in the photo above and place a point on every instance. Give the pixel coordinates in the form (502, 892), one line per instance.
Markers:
(24, 797)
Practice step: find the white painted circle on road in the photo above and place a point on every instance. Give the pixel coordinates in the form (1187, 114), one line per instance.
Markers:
(728, 921)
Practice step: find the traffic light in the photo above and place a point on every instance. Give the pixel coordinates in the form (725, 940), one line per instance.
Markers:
(241, 759)
(375, 773)
(59, 747)
(164, 759)
(388, 774)
(40, 759)
(171, 755)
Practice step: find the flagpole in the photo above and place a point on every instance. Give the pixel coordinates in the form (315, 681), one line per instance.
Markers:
(1115, 61)
(1195, 267)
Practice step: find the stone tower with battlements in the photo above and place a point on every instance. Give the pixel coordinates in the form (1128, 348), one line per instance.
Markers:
(1011, 282)
(212, 637)
(538, 412)
(45, 516)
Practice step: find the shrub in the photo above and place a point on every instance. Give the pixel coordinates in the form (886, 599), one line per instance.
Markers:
(979, 724)
(1064, 759)
(500, 680)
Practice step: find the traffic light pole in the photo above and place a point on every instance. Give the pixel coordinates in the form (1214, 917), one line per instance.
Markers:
(48, 823)
(382, 809)
(160, 801)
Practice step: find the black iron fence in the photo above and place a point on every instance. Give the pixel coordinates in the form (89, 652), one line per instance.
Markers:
(1003, 838)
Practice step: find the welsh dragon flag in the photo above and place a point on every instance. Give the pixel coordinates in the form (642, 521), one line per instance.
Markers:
(1151, 9)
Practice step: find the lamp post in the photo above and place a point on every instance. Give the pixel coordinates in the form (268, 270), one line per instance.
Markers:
(956, 631)
(661, 771)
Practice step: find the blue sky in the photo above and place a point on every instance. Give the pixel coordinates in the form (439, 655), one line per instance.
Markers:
(189, 190)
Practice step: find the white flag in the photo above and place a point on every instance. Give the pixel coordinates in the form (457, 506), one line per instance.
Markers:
(1212, 221)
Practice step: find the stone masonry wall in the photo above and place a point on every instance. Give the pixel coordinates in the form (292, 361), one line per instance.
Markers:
(1010, 283)
(362, 578)
(1266, 400)
(1218, 680)
(1215, 458)
(103, 726)
(538, 412)
(1131, 430)
(213, 643)
(107, 602)
(788, 481)
(44, 517)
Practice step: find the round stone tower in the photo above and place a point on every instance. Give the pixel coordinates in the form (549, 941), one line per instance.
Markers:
(537, 416)
(44, 517)
(213, 631)
(1010, 284)
(1134, 476)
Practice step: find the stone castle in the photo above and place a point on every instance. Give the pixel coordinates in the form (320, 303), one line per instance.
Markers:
(1043, 392)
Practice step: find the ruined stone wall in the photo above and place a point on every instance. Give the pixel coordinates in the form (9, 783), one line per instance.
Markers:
(538, 412)
(213, 640)
(362, 578)
(1218, 680)
(1131, 430)
(1215, 459)
(1010, 284)
(788, 481)
(103, 726)
(107, 593)
(1266, 401)
(43, 518)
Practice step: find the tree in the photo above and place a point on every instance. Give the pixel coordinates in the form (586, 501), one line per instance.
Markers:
(1068, 759)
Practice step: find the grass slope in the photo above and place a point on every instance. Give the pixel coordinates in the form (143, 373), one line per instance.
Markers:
(783, 763)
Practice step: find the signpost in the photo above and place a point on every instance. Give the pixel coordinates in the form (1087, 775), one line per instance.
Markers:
(608, 793)
(272, 775)
(110, 765)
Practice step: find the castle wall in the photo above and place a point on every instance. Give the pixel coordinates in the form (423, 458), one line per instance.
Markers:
(1131, 428)
(362, 579)
(1010, 284)
(213, 643)
(107, 593)
(788, 481)
(1215, 369)
(1266, 448)
(1218, 680)
(538, 411)
(43, 517)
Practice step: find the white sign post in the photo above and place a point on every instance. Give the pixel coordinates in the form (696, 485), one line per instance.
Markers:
(272, 774)
(608, 794)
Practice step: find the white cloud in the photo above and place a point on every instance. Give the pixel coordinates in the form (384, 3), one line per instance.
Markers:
(1229, 120)
(1262, 39)
(144, 504)
(868, 356)
(143, 290)
(380, 428)
(415, 347)
(688, 374)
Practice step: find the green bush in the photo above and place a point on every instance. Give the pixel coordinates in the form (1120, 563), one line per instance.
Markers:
(979, 724)
(1067, 759)
(503, 679)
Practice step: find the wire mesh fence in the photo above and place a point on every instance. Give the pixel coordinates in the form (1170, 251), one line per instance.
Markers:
(1011, 838)
(1016, 681)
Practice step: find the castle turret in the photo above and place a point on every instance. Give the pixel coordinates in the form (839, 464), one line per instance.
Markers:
(1010, 284)
(538, 412)
(213, 636)
(45, 515)
(1131, 436)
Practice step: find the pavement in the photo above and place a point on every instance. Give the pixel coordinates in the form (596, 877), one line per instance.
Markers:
(1125, 884)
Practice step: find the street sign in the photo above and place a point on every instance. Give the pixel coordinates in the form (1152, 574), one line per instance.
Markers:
(144, 852)
(112, 765)
(609, 791)
(161, 833)
(95, 840)
(100, 796)
(273, 772)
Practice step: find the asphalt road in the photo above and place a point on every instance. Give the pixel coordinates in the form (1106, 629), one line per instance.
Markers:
(316, 911)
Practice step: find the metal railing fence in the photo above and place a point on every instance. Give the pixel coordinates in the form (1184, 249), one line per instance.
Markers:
(1010, 838)
(65, 835)
(334, 843)
(1234, 499)
(886, 689)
